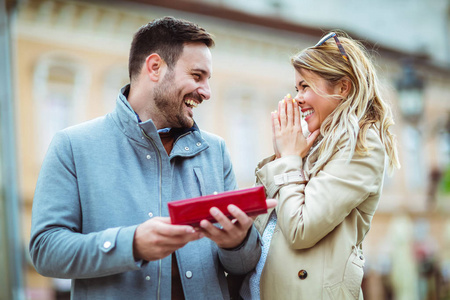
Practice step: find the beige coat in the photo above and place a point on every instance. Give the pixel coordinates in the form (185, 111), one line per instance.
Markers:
(315, 252)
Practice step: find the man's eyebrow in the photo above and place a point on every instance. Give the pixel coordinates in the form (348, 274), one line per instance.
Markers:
(204, 72)
(300, 82)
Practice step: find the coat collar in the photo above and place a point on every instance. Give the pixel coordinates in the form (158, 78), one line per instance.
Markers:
(188, 141)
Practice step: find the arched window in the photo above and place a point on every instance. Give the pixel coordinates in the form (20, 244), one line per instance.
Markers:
(60, 94)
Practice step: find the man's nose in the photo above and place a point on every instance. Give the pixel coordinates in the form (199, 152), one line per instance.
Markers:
(205, 90)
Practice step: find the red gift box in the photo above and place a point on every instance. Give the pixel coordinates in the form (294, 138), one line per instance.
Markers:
(191, 211)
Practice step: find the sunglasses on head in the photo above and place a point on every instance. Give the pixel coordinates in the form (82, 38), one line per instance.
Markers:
(338, 43)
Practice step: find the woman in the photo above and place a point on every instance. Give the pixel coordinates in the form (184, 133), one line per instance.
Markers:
(327, 184)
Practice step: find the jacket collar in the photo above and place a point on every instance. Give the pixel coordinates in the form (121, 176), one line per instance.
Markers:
(188, 141)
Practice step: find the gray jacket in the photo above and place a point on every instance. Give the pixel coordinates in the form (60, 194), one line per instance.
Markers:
(102, 178)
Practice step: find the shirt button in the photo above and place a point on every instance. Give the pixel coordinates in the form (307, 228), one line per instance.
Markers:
(302, 274)
(107, 244)
(150, 214)
(186, 148)
(188, 274)
(199, 144)
(148, 156)
(147, 278)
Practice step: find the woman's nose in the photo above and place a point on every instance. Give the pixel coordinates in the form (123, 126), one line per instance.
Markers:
(299, 99)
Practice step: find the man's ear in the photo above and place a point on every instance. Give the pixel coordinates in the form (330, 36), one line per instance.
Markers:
(154, 66)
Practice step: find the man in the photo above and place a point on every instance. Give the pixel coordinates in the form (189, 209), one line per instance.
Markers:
(100, 206)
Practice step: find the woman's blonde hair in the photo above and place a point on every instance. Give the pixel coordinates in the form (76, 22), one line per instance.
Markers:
(363, 106)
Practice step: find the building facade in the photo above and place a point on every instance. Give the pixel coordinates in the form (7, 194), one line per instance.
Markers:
(70, 60)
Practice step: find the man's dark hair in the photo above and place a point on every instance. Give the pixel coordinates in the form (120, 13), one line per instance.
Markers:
(166, 37)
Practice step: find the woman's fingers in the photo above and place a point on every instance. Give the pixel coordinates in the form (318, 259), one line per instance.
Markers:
(275, 128)
(312, 137)
(282, 113)
(297, 115)
(287, 130)
(289, 114)
(289, 110)
(275, 122)
(309, 142)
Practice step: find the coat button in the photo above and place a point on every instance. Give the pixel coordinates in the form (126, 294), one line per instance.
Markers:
(147, 277)
(188, 274)
(302, 274)
(107, 244)
(186, 148)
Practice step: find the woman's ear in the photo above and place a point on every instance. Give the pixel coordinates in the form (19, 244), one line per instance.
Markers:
(344, 86)
(154, 66)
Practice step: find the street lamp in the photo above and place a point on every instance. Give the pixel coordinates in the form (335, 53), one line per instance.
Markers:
(410, 89)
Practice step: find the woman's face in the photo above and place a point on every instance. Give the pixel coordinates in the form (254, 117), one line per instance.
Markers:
(315, 108)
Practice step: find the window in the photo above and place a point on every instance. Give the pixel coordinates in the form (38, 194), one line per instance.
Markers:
(246, 118)
(60, 90)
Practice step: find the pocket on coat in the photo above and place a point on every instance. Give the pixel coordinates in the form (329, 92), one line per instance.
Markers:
(354, 272)
(201, 183)
(351, 286)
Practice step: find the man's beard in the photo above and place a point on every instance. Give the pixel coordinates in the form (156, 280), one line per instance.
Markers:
(167, 100)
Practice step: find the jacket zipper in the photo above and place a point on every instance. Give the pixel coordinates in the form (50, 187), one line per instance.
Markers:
(160, 198)
(184, 134)
(160, 205)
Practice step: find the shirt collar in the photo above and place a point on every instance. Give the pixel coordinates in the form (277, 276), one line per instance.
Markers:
(177, 131)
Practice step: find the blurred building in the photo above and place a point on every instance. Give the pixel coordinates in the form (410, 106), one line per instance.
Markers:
(70, 60)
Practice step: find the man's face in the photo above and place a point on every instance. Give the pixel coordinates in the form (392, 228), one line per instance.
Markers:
(184, 87)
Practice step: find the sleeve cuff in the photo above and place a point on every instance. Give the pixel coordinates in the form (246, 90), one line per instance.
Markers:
(124, 246)
(243, 258)
(243, 242)
(277, 173)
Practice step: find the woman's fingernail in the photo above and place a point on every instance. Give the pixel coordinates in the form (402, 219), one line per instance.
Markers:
(289, 95)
